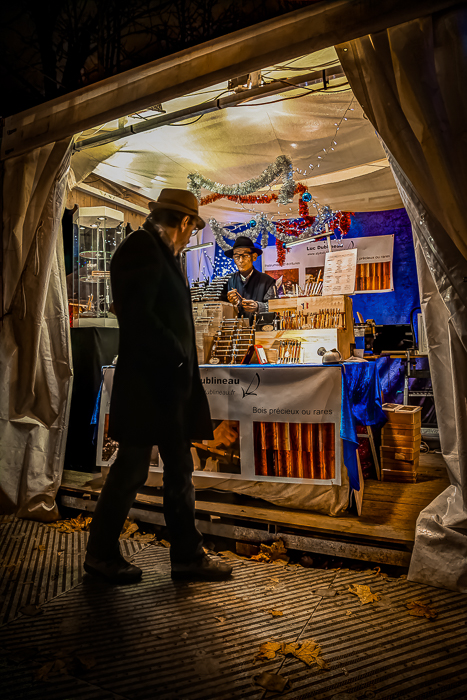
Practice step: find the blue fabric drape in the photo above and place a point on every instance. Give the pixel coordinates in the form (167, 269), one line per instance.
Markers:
(361, 405)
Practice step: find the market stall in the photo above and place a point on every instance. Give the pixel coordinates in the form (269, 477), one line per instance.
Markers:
(430, 175)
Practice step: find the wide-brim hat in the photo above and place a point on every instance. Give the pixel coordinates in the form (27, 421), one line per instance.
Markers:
(179, 200)
(243, 242)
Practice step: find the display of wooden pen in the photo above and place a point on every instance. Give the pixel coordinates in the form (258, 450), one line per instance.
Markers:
(295, 450)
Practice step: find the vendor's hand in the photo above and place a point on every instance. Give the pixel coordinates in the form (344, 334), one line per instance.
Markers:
(225, 434)
(234, 297)
(250, 305)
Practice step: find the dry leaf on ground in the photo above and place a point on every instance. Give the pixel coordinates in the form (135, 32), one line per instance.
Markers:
(72, 525)
(87, 660)
(268, 650)
(128, 529)
(349, 612)
(220, 618)
(143, 538)
(418, 608)
(307, 651)
(275, 613)
(364, 593)
(41, 547)
(164, 543)
(276, 552)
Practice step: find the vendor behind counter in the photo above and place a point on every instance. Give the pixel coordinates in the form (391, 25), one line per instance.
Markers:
(247, 289)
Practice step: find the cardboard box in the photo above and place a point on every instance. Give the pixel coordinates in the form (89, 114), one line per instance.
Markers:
(399, 477)
(396, 440)
(400, 453)
(403, 415)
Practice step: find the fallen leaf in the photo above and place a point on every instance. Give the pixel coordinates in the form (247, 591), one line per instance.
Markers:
(60, 552)
(403, 577)
(128, 529)
(349, 612)
(281, 562)
(72, 525)
(275, 613)
(364, 593)
(87, 660)
(289, 647)
(268, 650)
(41, 547)
(274, 580)
(184, 635)
(271, 681)
(220, 618)
(418, 608)
(42, 673)
(31, 610)
(143, 538)
(164, 543)
(275, 552)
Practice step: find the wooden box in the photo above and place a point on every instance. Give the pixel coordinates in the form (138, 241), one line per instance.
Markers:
(398, 476)
(407, 416)
(396, 440)
(399, 453)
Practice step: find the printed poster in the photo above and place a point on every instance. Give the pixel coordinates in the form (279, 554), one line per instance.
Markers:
(274, 424)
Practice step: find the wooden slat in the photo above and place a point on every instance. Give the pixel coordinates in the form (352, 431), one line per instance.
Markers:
(350, 525)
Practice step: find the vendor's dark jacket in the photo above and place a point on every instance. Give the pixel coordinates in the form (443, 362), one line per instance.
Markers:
(157, 392)
(255, 287)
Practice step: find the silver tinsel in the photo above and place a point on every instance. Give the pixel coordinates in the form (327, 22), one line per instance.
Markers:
(282, 166)
(265, 227)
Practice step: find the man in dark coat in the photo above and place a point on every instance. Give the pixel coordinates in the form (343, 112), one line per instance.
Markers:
(248, 289)
(157, 395)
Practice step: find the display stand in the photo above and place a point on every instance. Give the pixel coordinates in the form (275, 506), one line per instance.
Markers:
(340, 337)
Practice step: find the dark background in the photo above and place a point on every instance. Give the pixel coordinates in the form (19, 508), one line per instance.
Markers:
(50, 48)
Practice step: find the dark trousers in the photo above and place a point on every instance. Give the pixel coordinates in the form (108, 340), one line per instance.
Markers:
(126, 476)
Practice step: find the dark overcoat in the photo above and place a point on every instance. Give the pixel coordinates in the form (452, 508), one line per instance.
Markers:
(157, 392)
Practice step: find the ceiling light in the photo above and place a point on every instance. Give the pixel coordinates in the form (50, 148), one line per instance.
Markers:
(158, 178)
(199, 246)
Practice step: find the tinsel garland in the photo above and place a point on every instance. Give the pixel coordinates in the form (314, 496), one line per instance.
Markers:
(282, 166)
(342, 220)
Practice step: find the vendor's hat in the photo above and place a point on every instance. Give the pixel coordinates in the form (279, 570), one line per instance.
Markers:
(178, 200)
(243, 242)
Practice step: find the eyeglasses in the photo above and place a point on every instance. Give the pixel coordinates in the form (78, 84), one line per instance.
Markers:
(194, 232)
(240, 256)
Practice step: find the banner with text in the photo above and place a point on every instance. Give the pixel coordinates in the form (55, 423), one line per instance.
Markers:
(305, 263)
(270, 423)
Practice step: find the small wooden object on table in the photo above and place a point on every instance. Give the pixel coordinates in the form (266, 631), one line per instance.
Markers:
(400, 443)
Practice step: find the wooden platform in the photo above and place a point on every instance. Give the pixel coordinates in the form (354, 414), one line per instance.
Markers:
(384, 532)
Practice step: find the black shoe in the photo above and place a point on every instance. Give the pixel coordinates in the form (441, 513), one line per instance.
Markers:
(206, 569)
(117, 570)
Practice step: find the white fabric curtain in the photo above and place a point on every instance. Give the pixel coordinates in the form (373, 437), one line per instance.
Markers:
(410, 81)
(35, 353)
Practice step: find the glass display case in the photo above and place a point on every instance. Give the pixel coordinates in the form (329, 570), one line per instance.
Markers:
(97, 231)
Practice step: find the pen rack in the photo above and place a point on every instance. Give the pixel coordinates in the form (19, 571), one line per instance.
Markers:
(314, 322)
(232, 341)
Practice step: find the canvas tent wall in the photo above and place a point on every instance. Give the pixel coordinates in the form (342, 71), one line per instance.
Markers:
(37, 382)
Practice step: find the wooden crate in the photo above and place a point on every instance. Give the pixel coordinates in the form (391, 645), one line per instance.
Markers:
(404, 416)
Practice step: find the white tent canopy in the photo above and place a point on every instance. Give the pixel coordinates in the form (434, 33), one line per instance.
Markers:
(235, 144)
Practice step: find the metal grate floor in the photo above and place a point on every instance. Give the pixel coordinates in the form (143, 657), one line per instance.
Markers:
(38, 563)
(198, 641)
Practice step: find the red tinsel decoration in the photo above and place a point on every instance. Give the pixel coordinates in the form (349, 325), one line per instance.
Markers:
(342, 220)
(281, 251)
